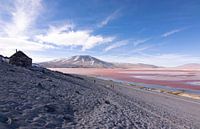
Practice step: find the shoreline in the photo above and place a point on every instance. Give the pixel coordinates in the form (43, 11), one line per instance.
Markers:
(113, 74)
(172, 81)
(177, 92)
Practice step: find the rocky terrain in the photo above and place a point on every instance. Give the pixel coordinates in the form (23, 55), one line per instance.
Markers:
(37, 98)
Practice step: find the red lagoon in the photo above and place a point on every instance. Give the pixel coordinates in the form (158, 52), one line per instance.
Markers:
(187, 79)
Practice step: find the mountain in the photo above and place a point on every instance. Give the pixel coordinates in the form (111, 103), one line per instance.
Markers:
(86, 61)
(190, 66)
(139, 65)
(79, 61)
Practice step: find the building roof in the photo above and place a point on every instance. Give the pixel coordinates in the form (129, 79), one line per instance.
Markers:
(19, 54)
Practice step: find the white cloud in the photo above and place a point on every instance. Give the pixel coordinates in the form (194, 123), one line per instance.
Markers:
(116, 45)
(18, 30)
(141, 49)
(171, 32)
(63, 36)
(37, 58)
(109, 18)
(15, 32)
(8, 45)
(23, 15)
(138, 42)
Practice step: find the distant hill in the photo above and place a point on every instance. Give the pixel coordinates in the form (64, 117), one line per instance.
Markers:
(79, 61)
(86, 61)
(139, 65)
(190, 66)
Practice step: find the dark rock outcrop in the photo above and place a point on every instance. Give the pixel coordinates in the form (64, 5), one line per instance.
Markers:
(1, 58)
(4, 59)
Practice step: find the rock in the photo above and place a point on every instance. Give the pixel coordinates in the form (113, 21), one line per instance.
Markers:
(107, 102)
(77, 92)
(68, 118)
(50, 108)
(4, 119)
(39, 85)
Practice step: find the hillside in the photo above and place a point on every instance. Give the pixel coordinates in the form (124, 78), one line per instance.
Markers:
(37, 98)
(79, 61)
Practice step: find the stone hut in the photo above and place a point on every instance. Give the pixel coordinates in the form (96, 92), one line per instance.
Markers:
(20, 59)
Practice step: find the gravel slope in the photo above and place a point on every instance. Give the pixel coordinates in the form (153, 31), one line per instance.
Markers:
(38, 98)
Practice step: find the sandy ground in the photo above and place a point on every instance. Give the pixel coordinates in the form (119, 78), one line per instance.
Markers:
(41, 99)
(176, 78)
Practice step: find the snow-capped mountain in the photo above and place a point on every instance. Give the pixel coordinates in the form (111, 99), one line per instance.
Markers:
(83, 61)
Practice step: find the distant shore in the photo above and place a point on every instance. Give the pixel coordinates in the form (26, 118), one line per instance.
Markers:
(118, 75)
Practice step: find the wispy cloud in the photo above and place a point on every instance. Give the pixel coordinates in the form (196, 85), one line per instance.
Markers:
(15, 32)
(111, 17)
(23, 16)
(116, 45)
(63, 36)
(141, 49)
(140, 41)
(171, 32)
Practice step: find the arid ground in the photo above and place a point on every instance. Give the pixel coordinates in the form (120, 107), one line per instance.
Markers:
(182, 79)
(37, 98)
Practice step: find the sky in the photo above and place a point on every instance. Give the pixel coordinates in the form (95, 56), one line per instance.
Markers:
(163, 33)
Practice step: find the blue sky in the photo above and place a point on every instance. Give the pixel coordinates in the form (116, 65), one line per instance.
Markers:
(164, 33)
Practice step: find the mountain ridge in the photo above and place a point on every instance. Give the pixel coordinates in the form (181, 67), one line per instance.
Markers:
(87, 61)
(190, 66)
(77, 61)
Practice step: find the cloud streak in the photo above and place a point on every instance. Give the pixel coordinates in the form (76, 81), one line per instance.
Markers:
(141, 49)
(109, 18)
(171, 32)
(141, 41)
(116, 45)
